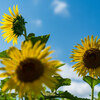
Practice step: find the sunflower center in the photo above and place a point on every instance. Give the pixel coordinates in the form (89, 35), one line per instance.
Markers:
(91, 58)
(30, 70)
(18, 24)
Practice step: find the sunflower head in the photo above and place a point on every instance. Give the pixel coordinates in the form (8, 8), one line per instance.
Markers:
(30, 68)
(13, 26)
(87, 57)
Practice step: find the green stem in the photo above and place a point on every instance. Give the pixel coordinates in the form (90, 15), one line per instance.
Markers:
(92, 93)
(5, 96)
(26, 98)
(25, 33)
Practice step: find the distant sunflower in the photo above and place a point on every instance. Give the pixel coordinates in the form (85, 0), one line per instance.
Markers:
(87, 57)
(12, 25)
(29, 68)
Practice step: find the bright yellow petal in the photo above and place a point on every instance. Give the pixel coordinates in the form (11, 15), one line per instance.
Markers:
(11, 12)
(92, 41)
(17, 10)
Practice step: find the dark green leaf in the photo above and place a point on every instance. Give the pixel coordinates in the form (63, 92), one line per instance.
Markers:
(62, 81)
(34, 39)
(62, 94)
(31, 35)
(91, 81)
(68, 95)
(98, 95)
(4, 54)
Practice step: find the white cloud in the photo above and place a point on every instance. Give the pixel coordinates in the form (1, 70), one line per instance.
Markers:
(60, 7)
(78, 87)
(67, 72)
(37, 22)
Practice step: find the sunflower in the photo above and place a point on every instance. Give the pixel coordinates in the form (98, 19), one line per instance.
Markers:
(29, 68)
(87, 57)
(12, 25)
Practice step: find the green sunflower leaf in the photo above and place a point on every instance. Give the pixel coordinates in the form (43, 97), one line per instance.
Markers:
(4, 54)
(98, 95)
(31, 35)
(91, 81)
(43, 38)
(61, 94)
(70, 96)
(62, 81)
(60, 65)
(3, 82)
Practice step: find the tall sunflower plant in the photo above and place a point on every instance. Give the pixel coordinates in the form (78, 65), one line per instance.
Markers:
(30, 73)
(87, 57)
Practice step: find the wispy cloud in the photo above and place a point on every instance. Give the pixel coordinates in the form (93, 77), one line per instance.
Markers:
(35, 2)
(67, 72)
(37, 22)
(60, 7)
(78, 87)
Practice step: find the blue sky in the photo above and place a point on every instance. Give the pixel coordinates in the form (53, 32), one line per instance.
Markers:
(66, 20)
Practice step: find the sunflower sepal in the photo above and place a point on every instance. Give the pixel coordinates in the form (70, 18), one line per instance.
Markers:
(18, 25)
(62, 64)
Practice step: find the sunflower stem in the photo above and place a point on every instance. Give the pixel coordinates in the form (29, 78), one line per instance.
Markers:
(92, 93)
(92, 90)
(5, 96)
(25, 33)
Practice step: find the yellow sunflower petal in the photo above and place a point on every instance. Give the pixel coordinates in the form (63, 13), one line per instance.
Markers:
(11, 12)
(17, 10)
(92, 41)
(4, 75)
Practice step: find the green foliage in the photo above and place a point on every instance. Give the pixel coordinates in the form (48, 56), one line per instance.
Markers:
(4, 54)
(31, 35)
(61, 94)
(62, 81)
(68, 95)
(91, 81)
(4, 95)
(43, 38)
(7, 97)
(98, 95)
(3, 82)
(60, 66)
